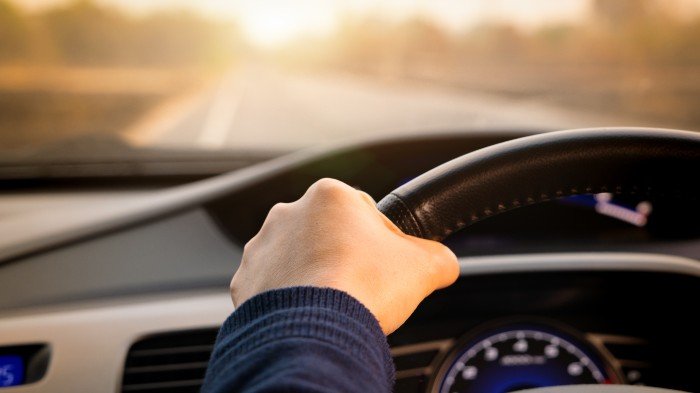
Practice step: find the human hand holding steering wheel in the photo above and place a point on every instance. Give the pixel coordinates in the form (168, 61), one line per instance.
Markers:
(335, 237)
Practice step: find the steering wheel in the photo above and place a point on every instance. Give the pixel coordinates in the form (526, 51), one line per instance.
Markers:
(651, 163)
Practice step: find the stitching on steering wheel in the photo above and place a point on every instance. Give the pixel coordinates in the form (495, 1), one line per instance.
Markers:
(543, 197)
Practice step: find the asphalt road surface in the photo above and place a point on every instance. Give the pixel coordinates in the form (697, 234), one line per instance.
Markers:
(264, 108)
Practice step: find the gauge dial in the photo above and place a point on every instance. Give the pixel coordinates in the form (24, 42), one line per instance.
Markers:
(515, 358)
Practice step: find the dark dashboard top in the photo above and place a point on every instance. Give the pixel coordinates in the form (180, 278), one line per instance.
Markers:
(194, 232)
(567, 224)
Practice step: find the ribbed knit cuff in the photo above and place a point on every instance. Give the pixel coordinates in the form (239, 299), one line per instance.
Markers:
(324, 314)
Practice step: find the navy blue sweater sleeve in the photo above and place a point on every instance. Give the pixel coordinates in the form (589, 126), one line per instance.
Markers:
(300, 339)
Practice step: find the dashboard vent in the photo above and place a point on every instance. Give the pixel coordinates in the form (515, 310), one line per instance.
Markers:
(414, 364)
(169, 362)
(633, 355)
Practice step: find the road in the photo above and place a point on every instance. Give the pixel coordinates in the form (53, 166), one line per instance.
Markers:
(272, 109)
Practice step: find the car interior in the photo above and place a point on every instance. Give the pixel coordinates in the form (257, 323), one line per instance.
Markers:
(577, 238)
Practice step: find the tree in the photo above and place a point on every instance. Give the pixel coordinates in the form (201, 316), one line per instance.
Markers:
(620, 13)
(87, 34)
(14, 33)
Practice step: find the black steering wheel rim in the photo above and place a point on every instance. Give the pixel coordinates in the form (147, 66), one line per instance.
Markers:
(654, 163)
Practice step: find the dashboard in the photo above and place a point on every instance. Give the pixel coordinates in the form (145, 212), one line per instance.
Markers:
(127, 296)
(512, 331)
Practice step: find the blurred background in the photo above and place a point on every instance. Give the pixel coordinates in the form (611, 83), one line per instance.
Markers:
(278, 75)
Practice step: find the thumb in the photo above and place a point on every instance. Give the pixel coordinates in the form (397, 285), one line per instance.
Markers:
(443, 266)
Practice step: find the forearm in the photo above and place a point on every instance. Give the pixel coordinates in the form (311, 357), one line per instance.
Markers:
(301, 340)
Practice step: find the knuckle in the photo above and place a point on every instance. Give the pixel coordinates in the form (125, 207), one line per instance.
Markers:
(279, 208)
(330, 188)
(248, 247)
(276, 212)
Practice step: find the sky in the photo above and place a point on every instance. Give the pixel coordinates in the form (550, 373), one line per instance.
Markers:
(272, 22)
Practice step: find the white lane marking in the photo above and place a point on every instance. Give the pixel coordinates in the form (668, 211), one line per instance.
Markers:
(222, 113)
(151, 128)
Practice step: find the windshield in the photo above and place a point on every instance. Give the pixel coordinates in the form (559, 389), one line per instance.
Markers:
(211, 75)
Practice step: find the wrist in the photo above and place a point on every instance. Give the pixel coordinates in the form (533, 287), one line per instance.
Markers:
(308, 314)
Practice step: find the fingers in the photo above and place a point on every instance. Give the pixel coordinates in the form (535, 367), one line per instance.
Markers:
(373, 206)
(390, 224)
(367, 198)
(334, 236)
(443, 266)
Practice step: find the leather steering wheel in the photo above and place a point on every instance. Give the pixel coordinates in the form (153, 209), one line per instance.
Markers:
(653, 163)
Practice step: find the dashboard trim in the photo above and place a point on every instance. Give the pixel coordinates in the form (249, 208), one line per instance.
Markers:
(606, 261)
(82, 360)
(95, 221)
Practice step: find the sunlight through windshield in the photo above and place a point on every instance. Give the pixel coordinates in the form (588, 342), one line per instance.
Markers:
(91, 75)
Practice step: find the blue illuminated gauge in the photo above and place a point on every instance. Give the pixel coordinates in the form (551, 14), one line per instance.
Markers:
(519, 357)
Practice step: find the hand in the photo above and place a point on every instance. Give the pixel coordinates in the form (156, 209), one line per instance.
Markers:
(335, 237)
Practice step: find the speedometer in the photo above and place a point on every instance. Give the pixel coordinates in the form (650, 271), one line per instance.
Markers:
(516, 357)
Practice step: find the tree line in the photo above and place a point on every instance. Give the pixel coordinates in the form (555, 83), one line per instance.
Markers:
(643, 33)
(84, 33)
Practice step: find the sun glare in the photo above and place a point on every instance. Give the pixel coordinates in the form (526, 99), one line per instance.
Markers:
(274, 22)
(271, 23)
(270, 27)
(272, 30)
